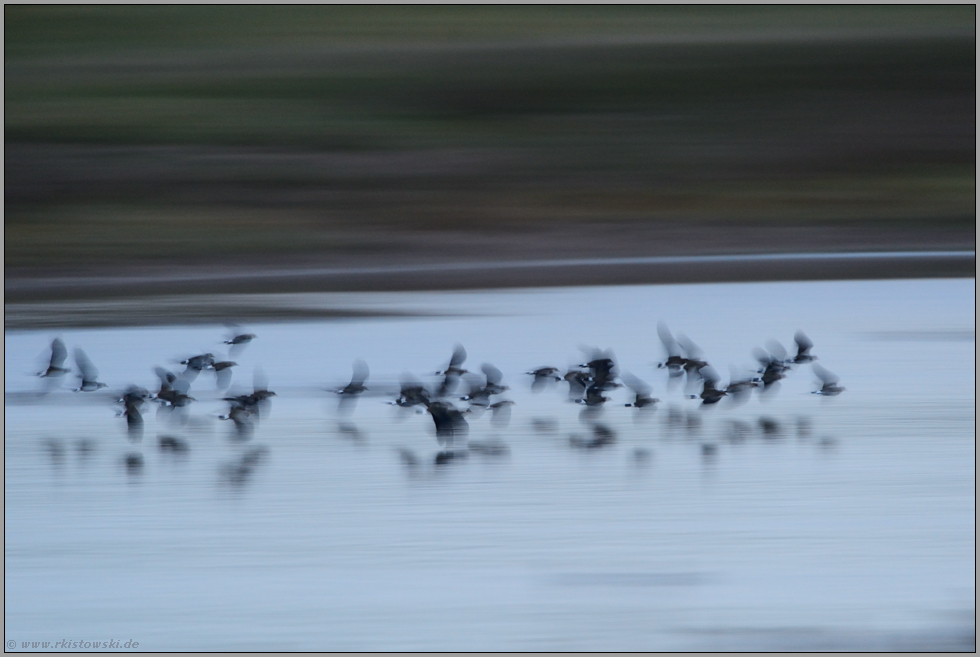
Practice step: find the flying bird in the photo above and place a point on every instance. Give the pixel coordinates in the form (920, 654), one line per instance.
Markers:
(87, 373)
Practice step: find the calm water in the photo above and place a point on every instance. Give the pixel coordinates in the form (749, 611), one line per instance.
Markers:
(850, 524)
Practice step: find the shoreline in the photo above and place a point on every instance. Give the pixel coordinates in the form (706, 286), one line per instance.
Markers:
(178, 298)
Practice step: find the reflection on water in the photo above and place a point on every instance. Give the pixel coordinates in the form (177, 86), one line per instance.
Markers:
(752, 517)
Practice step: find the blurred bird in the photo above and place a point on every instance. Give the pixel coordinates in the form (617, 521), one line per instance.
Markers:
(58, 356)
(482, 389)
(243, 417)
(241, 339)
(173, 389)
(543, 377)
(740, 386)
(348, 394)
(642, 391)
(450, 422)
(693, 363)
(452, 372)
(578, 381)
(602, 368)
(132, 401)
(500, 413)
(593, 397)
(237, 339)
(675, 361)
(710, 394)
(413, 393)
(195, 364)
(87, 373)
(222, 373)
(829, 381)
(803, 346)
(258, 402)
(773, 366)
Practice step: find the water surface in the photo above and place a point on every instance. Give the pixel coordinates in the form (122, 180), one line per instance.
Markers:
(849, 524)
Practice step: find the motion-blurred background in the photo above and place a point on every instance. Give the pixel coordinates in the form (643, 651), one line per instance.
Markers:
(271, 136)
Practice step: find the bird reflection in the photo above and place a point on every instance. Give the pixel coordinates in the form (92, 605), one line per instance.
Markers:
(450, 456)
(239, 472)
(350, 430)
(133, 463)
(493, 447)
(56, 451)
(602, 436)
(173, 445)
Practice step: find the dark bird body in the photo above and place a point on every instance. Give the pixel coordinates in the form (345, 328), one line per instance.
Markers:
(773, 367)
(412, 393)
(243, 418)
(258, 403)
(602, 368)
(450, 421)
(196, 364)
(739, 389)
(241, 339)
(132, 401)
(482, 389)
(710, 394)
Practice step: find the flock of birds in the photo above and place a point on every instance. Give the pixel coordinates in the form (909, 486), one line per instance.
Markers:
(457, 395)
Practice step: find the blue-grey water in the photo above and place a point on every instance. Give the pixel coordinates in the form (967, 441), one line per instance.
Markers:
(849, 523)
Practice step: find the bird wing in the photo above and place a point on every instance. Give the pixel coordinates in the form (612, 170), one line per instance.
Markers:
(763, 356)
(459, 356)
(803, 343)
(670, 344)
(826, 376)
(690, 349)
(85, 366)
(58, 353)
(776, 349)
(223, 378)
(710, 377)
(636, 385)
(182, 386)
(360, 372)
(493, 374)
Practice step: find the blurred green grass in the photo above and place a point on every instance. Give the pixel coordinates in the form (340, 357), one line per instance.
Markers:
(185, 132)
